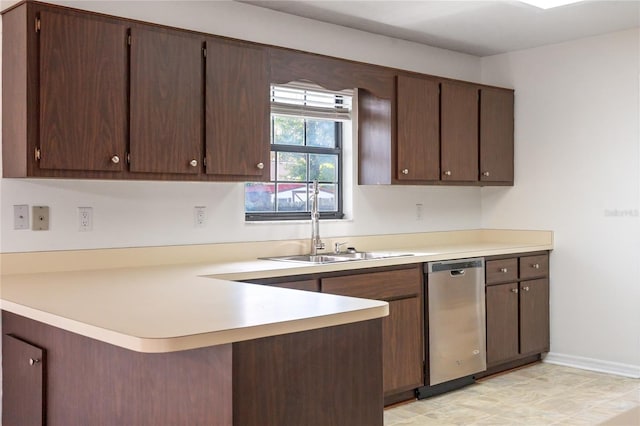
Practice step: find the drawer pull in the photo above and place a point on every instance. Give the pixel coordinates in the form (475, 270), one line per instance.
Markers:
(536, 266)
(514, 290)
(525, 288)
(504, 270)
(33, 361)
(447, 173)
(405, 171)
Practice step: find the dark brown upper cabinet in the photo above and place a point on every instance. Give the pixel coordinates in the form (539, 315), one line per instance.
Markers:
(496, 135)
(166, 101)
(440, 132)
(237, 111)
(459, 132)
(65, 93)
(418, 129)
(94, 96)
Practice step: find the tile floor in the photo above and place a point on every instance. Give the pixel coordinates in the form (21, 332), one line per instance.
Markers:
(541, 394)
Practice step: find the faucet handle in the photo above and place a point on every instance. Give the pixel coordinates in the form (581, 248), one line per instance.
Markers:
(336, 246)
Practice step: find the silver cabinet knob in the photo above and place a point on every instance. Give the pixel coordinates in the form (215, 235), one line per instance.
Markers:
(504, 270)
(525, 288)
(260, 166)
(485, 173)
(115, 159)
(536, 266)
(447, 173)
(405, 171)
(514, 290)
(193, 163)
(33, 361)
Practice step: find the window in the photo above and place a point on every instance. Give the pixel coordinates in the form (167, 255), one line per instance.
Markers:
(306, 145)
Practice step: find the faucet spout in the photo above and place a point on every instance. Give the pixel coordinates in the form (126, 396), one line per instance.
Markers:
(316, 242)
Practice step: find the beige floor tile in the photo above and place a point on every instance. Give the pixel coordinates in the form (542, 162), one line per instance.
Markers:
(628, 418)
(542, 394)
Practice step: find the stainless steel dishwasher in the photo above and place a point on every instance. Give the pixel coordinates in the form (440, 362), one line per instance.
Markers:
(456, 324)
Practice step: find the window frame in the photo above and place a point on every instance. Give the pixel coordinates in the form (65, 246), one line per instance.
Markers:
(306, 215)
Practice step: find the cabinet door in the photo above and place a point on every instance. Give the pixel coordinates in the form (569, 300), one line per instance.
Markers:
(83, 93)
(237, 110)
(418, 129)
(402, 338)
(22, 383)
(502, 323)
(496, 135)
(402, 350)
(166, 101)
(459, 132)
(534, 316)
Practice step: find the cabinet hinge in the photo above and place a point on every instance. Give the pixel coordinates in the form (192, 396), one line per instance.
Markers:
(128, 158)
(37, 154)
(129, 40)
(204, 52)
(37, 24)
(204, 162)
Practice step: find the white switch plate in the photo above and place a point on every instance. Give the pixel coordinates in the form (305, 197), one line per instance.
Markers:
(418, 211)
(21, 216)
(85, 219)
(40, 218)
(200, 216)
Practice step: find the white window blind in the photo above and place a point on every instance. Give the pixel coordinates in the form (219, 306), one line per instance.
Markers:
(300, 100)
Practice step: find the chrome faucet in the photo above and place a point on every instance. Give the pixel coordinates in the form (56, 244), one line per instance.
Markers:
(316, 242)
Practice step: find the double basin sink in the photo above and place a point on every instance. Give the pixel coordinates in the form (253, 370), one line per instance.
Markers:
(337, 257)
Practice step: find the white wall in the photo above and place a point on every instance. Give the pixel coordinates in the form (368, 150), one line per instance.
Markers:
(161, 213)
(577, 164)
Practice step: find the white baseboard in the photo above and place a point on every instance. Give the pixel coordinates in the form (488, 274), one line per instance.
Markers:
(619, 369)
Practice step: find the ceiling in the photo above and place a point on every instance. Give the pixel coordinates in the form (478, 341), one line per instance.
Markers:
(479, 28)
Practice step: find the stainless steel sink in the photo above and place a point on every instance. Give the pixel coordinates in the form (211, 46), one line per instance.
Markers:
(337, 257)
(368, 255)
(310, 258)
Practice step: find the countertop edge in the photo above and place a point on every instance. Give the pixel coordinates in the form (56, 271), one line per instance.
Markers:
(173, 344)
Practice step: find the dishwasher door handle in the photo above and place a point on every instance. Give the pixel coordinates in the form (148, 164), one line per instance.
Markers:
(457, 272)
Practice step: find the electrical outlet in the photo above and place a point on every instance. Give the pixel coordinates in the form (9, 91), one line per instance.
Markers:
(40, 216)
(418, 211)
(21, 216)
(85, 219)
(200, 216)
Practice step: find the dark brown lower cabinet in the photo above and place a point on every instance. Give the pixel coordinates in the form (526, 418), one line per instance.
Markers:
(23, 366)
(328, 376)
(502, 323)
(534, 316)
(292, 283)
(402, 330)
(517, 320)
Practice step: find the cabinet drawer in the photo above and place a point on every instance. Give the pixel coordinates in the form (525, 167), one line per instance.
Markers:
(501, 271)
(308, 285)
(534, 266)
(376, 285)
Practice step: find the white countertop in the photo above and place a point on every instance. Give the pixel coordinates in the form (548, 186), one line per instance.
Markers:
(179, 307)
